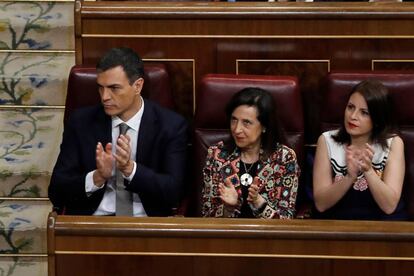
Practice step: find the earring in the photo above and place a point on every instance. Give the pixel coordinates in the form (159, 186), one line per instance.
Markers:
(264, 130)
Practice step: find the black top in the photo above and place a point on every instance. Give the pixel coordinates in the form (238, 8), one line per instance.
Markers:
(245, 210)
(360, 205)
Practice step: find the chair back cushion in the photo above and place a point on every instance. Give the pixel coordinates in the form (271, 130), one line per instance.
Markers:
(216, 90)
(83, 90)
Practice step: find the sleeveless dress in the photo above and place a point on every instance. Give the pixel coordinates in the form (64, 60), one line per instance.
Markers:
(358, 203)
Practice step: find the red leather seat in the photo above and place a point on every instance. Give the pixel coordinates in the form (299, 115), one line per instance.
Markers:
(83, 90)
(401, 87)
(211, 125)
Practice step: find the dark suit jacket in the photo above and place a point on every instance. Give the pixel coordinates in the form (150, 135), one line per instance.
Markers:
(161, 158)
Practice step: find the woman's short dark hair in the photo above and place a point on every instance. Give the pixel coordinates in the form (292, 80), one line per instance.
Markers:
(127, 58)
(380, 108)
(266, 110)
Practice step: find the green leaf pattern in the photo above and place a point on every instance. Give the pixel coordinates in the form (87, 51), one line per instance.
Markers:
(18, 141)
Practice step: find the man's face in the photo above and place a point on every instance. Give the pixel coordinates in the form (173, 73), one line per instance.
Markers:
(118, 97)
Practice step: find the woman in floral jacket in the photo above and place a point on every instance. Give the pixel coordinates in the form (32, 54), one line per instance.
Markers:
(254, 174)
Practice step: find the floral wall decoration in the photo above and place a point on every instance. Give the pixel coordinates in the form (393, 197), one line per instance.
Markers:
(36, 54)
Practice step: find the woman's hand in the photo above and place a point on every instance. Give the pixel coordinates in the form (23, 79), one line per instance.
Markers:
(366, 158)
(352, 161)
(254, 197)
(227, 193)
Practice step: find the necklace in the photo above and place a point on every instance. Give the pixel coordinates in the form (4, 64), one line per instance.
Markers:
(246, 179)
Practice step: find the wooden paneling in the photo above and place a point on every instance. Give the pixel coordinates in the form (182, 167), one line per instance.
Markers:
(309, 72)
(197, 246)
(393, 65)
(216, 35)
(226, 266)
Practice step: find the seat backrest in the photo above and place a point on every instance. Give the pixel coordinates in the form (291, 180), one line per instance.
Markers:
(83, 90)
(210, 122)
(338, 85)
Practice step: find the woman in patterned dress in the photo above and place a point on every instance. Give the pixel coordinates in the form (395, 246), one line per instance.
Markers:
(359, 168)
(253, 174)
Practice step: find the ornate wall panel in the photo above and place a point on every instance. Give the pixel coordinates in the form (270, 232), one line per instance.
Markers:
(36, 25)
(36, 52)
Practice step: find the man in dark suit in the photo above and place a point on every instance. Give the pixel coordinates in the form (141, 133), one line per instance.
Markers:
(151, 156)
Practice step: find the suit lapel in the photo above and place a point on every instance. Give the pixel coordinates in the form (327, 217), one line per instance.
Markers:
(147, 131)
(103, 128)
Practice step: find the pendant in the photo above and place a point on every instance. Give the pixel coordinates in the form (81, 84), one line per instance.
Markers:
(246, 179)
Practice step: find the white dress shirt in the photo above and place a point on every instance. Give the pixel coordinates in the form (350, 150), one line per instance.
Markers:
(108, 203)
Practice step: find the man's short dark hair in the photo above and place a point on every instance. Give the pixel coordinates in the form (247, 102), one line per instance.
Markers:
(125, 57)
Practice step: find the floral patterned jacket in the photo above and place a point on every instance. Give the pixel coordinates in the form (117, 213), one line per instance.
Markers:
(278, 180)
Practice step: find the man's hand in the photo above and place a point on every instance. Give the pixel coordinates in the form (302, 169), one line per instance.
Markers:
(104, 160)
(123, 155)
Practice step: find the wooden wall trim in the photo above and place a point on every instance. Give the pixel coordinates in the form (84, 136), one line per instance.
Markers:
(247, 10)
(193, 246)
(224, 228)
